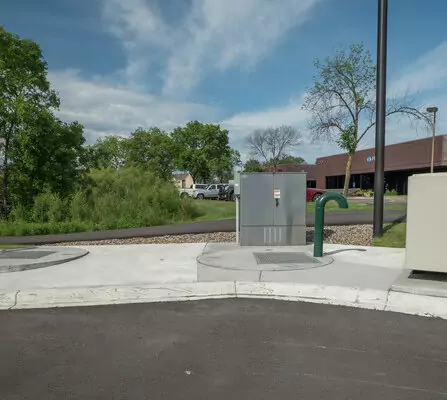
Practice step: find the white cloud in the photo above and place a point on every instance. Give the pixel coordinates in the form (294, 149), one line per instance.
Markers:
(210, 35)
(105, 109)
(426, 73)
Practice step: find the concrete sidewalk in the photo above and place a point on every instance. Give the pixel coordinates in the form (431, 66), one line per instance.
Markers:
(357, 276)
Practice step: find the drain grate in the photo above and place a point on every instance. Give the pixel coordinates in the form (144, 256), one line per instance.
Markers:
(284, 258)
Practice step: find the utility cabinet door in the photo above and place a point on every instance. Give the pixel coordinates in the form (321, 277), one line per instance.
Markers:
(256, 199)
(290, 208)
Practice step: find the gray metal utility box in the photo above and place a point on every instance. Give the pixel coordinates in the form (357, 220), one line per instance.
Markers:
(273, 209)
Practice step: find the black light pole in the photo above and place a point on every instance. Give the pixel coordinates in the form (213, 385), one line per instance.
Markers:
(379, 176)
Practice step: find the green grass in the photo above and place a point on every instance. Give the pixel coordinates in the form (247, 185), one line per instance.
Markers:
(332, 206)
(393, 236)
(12, 246)
(213, 210)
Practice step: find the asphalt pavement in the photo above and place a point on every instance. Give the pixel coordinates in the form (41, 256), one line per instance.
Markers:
(221, 349)
(331, 218)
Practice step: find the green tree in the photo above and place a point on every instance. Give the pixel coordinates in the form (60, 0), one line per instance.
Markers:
(203, 150)
(253, 165)
(151, 149)
(271, 144)
(287, 159)
(342, 101)
(107, 152)
(45, 158)
(24, 93)
(224, 167)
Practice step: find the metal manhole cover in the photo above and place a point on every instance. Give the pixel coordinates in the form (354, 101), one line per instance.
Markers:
(284, 258)
(24, 254)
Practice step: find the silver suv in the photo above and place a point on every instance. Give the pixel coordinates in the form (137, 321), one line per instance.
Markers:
(211, 192)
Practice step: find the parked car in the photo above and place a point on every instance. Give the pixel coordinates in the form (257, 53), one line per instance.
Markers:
(228, 193)
(189, 191)
(211, 192)
(313, 194)
(223, 192)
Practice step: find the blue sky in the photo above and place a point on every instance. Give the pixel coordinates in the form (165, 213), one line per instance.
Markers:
(121, 64)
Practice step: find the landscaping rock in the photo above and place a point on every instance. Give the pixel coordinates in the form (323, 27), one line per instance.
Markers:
(360, 235)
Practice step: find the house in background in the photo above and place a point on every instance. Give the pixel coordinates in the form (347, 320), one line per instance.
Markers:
(183, 181)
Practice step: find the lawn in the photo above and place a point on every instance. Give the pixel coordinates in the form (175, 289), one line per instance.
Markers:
(332, 206)
(12, 246)
(213, 210)
(393, 236)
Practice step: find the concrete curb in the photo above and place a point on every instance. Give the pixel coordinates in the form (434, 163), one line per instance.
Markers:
(336, 295)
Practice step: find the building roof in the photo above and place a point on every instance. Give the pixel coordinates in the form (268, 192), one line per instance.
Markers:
(310, 169)
(180, 177)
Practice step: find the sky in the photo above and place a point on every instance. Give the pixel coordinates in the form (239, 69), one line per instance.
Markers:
(245, 64)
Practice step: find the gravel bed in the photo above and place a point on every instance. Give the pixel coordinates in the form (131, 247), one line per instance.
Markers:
(360, 235)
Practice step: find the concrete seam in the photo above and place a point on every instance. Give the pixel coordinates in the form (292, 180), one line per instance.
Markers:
(385, 306)
(15, 300)
(197, 260)
(260, 276)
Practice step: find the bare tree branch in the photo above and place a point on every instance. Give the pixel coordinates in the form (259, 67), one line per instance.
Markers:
(272, 143)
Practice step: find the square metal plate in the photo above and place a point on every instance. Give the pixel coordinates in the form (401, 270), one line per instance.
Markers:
(24, 254)
(284, 258)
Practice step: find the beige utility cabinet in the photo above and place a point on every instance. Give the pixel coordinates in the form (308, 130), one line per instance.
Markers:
(426, 245)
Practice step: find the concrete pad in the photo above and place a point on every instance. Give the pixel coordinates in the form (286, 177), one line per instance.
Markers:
(338, 274)
(348, 266)
(422, 287)
(242, 258)
(16, 260)
(210, 274)
(385, 257)
(131, 265)
(102, 295)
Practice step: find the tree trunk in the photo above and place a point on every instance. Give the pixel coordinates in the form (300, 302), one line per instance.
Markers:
(347, 174)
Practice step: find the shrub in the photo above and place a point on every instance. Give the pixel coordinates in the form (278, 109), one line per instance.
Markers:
(23, 228)
(113, 199)
(133, 197)
(48, 207)
(363, 193)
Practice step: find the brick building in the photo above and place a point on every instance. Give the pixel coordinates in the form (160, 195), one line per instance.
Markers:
(401, 161)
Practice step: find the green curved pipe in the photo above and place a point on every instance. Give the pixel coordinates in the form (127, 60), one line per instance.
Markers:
(319, 218)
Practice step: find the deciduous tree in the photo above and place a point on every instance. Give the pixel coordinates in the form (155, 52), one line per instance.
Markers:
(45, 157)
(342, 101)
(151, 149)
(271, 144)
(107, 152)
(203, 150)
(253, 165)
(288, 159)
(24, 92)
